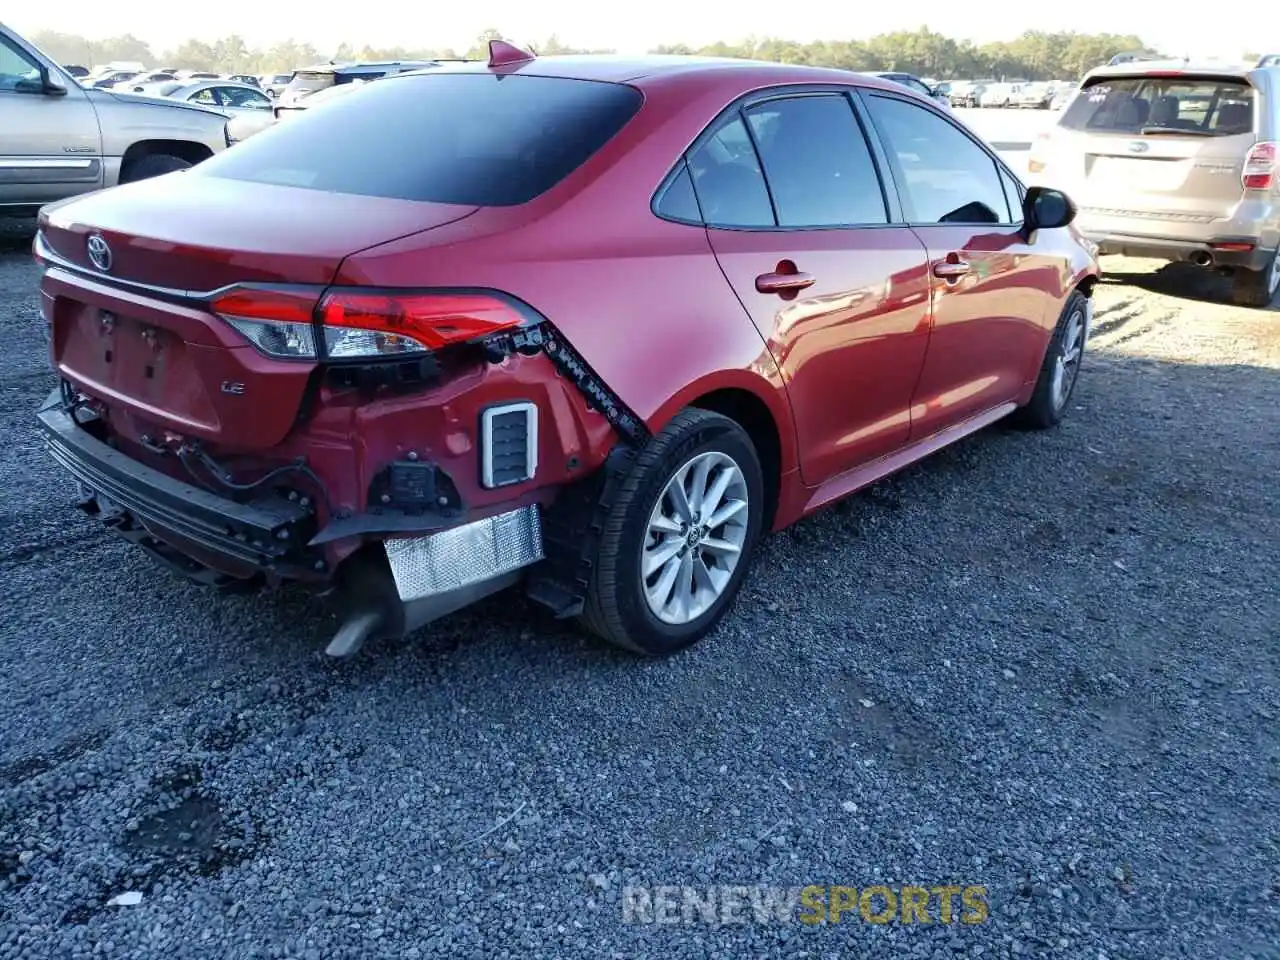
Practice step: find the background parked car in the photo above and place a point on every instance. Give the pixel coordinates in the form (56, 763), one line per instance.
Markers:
(1032, 96)
(968, 93)
(1176, 160)
(305, 83)
(274, 83)
(1063, 96)
(61, 139)
(75, 70)
(146, 80)
(998, 94)
(245, 124)
(222, 95)
(245, 78)
(914, 83)
(112, 79)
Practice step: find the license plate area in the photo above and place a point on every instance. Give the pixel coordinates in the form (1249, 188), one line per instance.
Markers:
(135, 357)
(116, 356)
(1141, 174)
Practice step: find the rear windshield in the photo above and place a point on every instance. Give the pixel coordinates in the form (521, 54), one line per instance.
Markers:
(311, 80)
(473, 139)
(1206, 107)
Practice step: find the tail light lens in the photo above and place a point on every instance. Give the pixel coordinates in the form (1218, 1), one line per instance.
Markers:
(1035, 161)
(355, 323)
(358, 324)
(1259, 167)
(278, 322)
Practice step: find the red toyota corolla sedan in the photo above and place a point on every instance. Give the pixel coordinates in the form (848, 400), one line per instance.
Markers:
(589, 324)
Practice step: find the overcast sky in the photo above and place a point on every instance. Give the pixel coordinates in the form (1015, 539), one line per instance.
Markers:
(629, 27)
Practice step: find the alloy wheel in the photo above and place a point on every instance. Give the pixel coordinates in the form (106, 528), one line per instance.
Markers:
(1067, 365)
(696, 535)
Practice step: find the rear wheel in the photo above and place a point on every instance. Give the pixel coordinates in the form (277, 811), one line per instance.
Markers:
(1060, 369)
(1257, 288)
(152, 165)
(678, 539)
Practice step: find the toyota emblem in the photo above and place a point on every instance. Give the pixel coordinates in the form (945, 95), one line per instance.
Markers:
(99, 252)
(1139, 146)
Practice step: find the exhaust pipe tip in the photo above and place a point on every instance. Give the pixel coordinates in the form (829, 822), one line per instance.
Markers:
(1202, 258)
(358, 629)
(367, 603)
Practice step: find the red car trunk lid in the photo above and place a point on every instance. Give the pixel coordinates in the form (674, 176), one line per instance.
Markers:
(201, 233)
(135, 334)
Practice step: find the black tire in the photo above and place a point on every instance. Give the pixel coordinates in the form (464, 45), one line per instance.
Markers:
(615, 607)
(1257, 288)
(152, 165)
(1047, 405)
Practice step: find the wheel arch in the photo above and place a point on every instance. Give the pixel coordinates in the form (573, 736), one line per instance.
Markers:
(756, 404)
(188, 150)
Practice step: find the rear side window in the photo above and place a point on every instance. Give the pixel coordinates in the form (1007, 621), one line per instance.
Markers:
(817, 162)
(473, 139)
(728, 181)
(1205, 107)
(678, 201)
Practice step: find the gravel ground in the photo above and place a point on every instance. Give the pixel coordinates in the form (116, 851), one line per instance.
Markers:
(1043, 663)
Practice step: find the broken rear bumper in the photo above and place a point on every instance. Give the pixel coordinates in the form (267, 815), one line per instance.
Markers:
(396, 585)
(267, 535)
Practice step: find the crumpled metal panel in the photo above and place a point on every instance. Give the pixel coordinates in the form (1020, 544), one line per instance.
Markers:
(465, 555)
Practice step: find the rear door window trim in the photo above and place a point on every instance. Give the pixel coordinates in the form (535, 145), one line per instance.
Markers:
(738, 111)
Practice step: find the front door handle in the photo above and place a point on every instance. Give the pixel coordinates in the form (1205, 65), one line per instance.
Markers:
(950, 269)
(785, 280)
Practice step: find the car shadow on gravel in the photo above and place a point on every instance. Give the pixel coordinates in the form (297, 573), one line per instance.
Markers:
(16, 235)
(1184, 281)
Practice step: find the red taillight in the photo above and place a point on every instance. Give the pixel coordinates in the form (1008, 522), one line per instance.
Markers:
(1259, 167)
(434, 320)
(257, 303)
(362, 323)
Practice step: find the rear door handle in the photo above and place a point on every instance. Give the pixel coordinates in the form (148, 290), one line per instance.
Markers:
(784, 282)
(950, 269)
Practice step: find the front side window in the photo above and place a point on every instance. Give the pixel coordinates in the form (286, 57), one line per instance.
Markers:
(17, 73)
(943, 175)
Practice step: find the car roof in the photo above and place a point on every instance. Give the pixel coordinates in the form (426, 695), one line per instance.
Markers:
(355, 65)
(199, 85)
(615, 68)
(1214, 68)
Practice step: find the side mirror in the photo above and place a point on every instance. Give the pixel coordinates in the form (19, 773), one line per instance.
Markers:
(1046, 209)
(42, 83)
(49, 86)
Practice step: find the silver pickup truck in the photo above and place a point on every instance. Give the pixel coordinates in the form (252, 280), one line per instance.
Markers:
(58, 139)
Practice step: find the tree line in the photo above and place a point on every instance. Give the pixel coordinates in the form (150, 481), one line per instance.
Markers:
(1035, 55)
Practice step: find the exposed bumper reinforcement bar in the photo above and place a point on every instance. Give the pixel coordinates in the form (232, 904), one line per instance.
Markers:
(269, 534)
